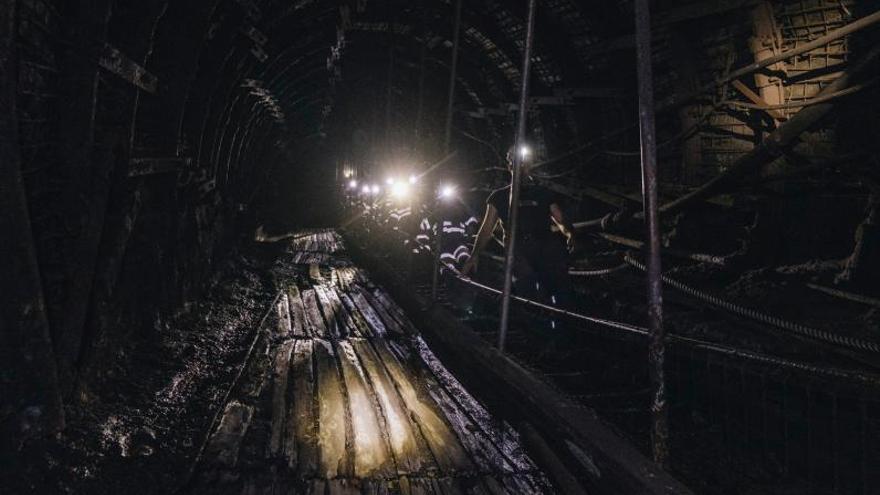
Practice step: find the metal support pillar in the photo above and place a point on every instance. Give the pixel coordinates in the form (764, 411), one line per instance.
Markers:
(453, 74)
(513, 216)
(423, 56)
(447, 142)
(648, 141)
(389, 94)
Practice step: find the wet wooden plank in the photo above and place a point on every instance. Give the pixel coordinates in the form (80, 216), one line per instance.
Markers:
(282, 310)
(331, 311)
(372, 449)
(493, 486)
(315, 273)
(279, 397)
(374, 487)
(355, 326)
(348, 327)
(372, 318)
(410, 449)
(383, 299)
(501, 434)
(470, 486)
(448, 452)
(421, 486)
(298, 322)
(389, 322)
(363, 328)
(342, 487)
(225, 442)
(534, 484)
(344, 277)
(263, 483)
(447, 486)
(301, 446)
(335, 459)
(401, 486)
(486, 454)
(482, 450)
(317, 487)
(313, 314)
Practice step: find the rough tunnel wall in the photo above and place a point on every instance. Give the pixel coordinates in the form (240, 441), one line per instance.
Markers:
(134, 131)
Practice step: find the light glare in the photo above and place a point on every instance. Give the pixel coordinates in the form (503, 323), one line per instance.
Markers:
(525, 151)
(400, 190)
(447, 191)
(375, 189)
(352, 184)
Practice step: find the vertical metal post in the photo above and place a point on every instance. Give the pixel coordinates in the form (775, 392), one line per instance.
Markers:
(389, 94)
(513, 215)
(447, 142)
(423, 56)
(453, 74)
(657, 346)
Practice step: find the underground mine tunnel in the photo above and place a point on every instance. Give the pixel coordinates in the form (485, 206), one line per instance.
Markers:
(440, 247)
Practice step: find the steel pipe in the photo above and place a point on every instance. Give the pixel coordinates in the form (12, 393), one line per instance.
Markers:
(447, 140)
(513, 211)
(648, 142)
(453, 74)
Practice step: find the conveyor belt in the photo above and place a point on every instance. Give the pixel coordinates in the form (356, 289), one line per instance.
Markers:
(349, 399)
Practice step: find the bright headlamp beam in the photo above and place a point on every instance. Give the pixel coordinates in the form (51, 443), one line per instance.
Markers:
(447, 191)
(400, 189)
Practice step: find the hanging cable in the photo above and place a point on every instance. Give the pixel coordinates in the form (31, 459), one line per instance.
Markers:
(851, 375)
(774, 321)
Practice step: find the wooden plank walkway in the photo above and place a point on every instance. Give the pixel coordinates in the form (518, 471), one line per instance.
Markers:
(347, 399)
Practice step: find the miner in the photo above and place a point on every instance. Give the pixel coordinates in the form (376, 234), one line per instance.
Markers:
(541, 261)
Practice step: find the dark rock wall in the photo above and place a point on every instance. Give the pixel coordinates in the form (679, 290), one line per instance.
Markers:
(140, 150)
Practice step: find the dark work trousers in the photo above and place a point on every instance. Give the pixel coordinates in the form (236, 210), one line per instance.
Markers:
(541, 272)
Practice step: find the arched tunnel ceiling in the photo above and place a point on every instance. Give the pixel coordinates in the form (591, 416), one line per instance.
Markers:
(226, 81)
(491, 49)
